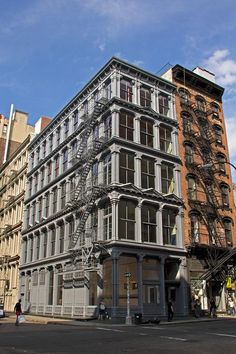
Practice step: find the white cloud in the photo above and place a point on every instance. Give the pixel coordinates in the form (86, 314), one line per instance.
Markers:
(223, 66)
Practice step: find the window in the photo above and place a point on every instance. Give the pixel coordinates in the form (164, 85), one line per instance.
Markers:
(46, 205)
(163, 100)
(61, 238)
(37, 155)
(126, 220)
(66, 128)
(228, 231)
(74, 149)
(108, 90)
(192, 188)
(4, 130)
(45, 244)
(32, 160)
(184, 96)
(58, 136)
(94, 173)
(165, 139)
(56, 171)
(146, 132)
(72, 184)
(54, 200)
(126, 126)
(75, 119)
(50, 143)
(35, 182)
(107, 169)
(194, 222)
(50, 287)
(148, 223)
(44, 149)
(126, 90)
(49, 171)
(94, 223)
(221, 162)
(33, 212)
(31, 249)
(126, 167)
(169, 226)
(53, 241)
(27, 218)
(215, 110)
(37, 246)
(25, 250)
(40, 201)
(64, 160)
(147, 173)
(63, 195)
(167, 178)
(42, 177)
(96, 132)
(201, 104)
(145, 97)
(30, 187)
(224, 194)
(218, 134)
(189, 153)
(59, 289)
(107, 222)
(187, 123)
(71, 224)
(108, 127)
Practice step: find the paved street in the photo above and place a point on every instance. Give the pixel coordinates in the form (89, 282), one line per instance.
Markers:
(201, 337)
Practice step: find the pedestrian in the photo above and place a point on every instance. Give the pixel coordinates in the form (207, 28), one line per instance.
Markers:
(170, 310)
(197, 308)
(212, 308)
(231, 307)
(101, 310)
(18, 311)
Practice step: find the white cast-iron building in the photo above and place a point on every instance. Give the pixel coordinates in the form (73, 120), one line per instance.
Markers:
(104, 199)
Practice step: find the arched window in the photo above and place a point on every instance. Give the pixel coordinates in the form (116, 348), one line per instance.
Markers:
(218, 134)
(215, 110)
(187, 122)
(189, 152)
(201, 103)
(228, 230)
(221, 162)
(192, 187)
(184, 96)
(194, 224)
(224, 194)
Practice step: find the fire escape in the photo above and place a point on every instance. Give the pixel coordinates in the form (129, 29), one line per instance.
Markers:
(83, 243)
(217, 252)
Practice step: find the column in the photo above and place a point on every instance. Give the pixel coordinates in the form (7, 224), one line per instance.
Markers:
(158, 176)
(140, 282)
(159, 226)
(177, 184)
(134, 90)
(138, 92)
(152, 98)
(162, 287)
(156, 134)
(115, 83)
(137, 169)
(175, 144)
(115, 281)
(115, 123)
(138, 219)
(100, 235)
(114, 207)
(183, 273)
(180, 229)
(114, 165)
(137, 120)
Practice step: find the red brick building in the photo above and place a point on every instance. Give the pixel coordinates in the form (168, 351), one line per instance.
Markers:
(207, 190)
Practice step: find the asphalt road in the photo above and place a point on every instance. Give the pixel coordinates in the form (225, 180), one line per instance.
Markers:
(215, 337)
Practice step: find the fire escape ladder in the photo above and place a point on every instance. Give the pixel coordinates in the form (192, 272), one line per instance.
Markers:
(220, 263)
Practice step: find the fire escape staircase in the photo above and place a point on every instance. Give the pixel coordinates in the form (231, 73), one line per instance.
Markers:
(83, 198)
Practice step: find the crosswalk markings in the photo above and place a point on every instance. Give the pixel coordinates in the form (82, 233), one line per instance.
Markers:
(174, 338)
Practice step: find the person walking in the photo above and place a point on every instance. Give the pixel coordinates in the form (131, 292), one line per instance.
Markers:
(231, 307)
(18, 311)
(101, 311)
(170, 310)
(212, 308)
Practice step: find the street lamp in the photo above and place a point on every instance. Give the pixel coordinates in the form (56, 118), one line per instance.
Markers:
(128, 319)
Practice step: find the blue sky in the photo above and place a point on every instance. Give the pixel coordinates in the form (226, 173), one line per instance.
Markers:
(50, 48)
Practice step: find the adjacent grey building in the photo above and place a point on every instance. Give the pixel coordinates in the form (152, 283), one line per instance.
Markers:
(104, 202)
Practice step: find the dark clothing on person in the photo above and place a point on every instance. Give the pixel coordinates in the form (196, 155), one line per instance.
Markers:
(18, 311)
(170, 311)
(212, 308)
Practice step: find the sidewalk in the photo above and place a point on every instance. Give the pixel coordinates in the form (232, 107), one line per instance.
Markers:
(108, 322)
